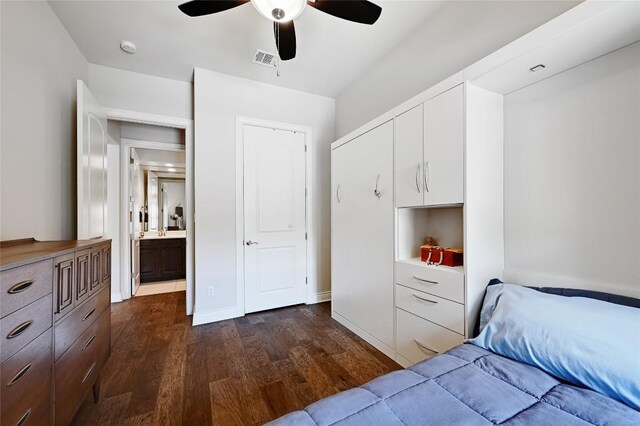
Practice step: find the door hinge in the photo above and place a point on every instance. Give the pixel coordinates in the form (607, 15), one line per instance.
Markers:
(306, 235)
(305, 192)
(305, 148)
(306, 280)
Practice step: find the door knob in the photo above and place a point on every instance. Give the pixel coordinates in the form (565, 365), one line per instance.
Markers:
(250, 243)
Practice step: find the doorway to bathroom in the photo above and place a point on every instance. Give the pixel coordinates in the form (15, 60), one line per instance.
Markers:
(157, 226)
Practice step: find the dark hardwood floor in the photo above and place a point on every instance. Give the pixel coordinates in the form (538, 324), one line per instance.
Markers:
(249, 370)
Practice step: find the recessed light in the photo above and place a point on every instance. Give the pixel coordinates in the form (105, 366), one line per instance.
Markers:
(171, 170)
(537, 68)
(168, 164)
(128, 46)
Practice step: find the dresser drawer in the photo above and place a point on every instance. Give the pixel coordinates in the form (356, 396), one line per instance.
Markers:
(441, 281)
(83, 352)
(69, 329)
(433, 308)
(24, 325)
(25, 284)
(26, 381)
(78, 369)
(418, 339)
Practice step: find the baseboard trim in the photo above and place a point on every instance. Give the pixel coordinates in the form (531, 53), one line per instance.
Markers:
(323, 296)
(379, 345)
(207, 317)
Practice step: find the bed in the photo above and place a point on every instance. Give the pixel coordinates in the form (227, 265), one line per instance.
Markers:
(471, 385)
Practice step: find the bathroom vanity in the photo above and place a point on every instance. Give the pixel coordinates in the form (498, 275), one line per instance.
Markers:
(163, 258)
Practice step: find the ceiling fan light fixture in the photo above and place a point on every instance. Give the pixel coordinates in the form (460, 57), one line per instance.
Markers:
(279, 10)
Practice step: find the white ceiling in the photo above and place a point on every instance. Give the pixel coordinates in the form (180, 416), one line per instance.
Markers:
(331, 52)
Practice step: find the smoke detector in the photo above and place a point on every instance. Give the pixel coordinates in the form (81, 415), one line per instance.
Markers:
(262, 57)
(128, 46)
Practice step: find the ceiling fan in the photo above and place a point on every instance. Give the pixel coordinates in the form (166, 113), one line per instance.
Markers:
(282, 13)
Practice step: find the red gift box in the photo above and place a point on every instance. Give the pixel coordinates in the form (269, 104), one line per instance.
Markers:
(442, 255)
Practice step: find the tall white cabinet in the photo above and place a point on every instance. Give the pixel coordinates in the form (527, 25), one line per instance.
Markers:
(395, 182)
(362, 234)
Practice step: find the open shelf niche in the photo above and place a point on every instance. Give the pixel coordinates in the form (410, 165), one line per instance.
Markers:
(415, 224)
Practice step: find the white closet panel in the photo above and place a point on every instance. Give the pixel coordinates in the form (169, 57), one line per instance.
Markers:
(408, 158)
(443, 148)
(362, 232)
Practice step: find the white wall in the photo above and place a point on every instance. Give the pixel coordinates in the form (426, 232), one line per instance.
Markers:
(219, 98)
(461, 33)
(133, 91)
(572, 175)
(40, 65)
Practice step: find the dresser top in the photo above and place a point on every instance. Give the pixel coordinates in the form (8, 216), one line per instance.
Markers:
(20, 252)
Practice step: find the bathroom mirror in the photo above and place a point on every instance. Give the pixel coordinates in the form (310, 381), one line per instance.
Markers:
(165, 201)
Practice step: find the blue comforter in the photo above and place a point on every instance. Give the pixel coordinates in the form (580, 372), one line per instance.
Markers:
(466, 386)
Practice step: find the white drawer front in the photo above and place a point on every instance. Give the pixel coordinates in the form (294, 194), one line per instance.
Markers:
(433, 308)
(413, 331)
(440, 281)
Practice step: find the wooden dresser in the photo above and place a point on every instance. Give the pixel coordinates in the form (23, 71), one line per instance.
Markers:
(55, 327)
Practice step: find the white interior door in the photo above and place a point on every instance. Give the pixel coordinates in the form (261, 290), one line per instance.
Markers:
(91, 165)
(274, 218)
(136, 216)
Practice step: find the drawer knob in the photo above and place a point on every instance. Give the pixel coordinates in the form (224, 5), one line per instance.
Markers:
(425, 300)
(19, 375)
(19, 329)
(84, 318)
(425, 281)
(425, 348)
(24, 417)
(20, 287)
(86, 345)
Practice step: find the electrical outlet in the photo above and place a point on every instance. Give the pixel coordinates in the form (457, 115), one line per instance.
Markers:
(210, 290)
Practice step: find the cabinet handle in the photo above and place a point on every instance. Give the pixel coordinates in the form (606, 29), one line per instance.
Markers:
(19, 329)
(427, 175)
(88, 373)
(19, 375)
(86, 345)
(418, 178)
(20, 287)
(376, 191)
(24, 417)
(84, 318)
(338, 197)
(425, 300)
(425, 281)
(423, 347)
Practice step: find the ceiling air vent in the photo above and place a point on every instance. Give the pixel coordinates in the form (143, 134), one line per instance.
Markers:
(264, 58)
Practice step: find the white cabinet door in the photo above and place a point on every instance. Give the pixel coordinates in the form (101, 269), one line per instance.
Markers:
(362, 232)
(408, 158)
(346, 233)
(443, 148)
(375, 298)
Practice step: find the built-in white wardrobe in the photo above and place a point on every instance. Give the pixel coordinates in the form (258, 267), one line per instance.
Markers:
(433, 167)
(396, 182)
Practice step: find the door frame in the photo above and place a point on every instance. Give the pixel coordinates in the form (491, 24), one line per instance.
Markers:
(311, 267)
(163, 121)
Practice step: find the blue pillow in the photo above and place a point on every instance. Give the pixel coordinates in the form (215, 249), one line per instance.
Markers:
(584, 341)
